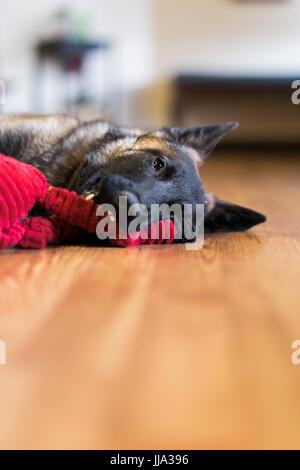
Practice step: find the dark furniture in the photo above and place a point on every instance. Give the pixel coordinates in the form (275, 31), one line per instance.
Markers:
(262, 105)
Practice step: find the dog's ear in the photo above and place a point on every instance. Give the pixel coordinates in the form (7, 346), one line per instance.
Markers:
(201, 139)
(224, 216)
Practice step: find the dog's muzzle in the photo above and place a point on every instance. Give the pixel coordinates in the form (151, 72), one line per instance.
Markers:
(115, 186)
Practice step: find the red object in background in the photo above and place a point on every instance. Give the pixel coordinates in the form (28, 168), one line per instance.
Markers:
(22, 186)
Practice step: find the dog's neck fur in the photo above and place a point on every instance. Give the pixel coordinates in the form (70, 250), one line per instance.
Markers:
(46, 140)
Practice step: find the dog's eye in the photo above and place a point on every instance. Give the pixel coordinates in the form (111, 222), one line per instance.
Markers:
(158, 163)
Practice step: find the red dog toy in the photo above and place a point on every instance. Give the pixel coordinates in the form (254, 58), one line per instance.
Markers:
(22, 186)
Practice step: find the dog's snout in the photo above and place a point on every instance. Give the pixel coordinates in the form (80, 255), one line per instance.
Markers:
(131, 198)
(114, 187)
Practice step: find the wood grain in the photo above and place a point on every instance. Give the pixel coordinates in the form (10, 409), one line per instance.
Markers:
(159, 347)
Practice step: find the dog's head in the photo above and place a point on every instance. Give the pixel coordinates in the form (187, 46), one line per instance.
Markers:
(105, 162)
(159, 168)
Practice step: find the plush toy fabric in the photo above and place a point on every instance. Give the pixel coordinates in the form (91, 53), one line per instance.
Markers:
(22, 186)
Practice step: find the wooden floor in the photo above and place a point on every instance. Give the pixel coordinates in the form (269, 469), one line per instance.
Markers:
(159, 347)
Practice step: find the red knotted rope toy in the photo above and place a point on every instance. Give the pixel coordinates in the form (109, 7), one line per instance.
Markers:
(22, 186)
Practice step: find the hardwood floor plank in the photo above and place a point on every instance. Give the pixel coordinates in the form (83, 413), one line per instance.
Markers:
(160, 347)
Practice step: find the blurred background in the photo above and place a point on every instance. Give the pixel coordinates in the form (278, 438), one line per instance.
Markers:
(156, 62)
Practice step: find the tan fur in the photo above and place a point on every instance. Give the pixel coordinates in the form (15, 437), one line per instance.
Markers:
(58, 124)
(194, 155)
(210, 201)
(153, 142)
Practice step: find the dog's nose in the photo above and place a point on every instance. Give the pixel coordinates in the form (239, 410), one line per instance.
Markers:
(130, 198)
(117, 190)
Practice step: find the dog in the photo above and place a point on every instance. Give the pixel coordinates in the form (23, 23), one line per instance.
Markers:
(105, 161)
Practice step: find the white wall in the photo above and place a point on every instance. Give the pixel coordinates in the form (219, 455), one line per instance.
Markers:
(227, 36)
(127, 23)
(156, 39)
